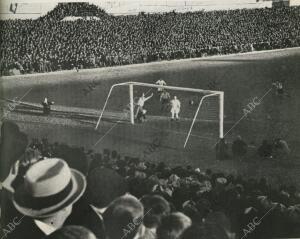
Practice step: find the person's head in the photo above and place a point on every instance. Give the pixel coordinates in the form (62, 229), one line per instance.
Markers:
(155, 207)
(175, 97)
(103, 186)
(123, 218)
(12, 147)
(173, 225)
(220, 219)
(205, 231)
(49, 190)
(71, 232)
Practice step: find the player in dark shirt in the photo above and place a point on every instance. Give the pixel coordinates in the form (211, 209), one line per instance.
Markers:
(141, 116)
(47, 106)
(164, 99)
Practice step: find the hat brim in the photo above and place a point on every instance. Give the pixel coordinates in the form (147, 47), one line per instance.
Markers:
(78, 188)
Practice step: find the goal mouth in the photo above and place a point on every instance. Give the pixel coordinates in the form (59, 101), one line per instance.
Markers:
(206, 94)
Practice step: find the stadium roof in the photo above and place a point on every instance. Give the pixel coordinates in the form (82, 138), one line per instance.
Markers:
(36, 8)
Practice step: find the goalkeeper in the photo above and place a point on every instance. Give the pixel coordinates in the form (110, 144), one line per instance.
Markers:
(164, 99)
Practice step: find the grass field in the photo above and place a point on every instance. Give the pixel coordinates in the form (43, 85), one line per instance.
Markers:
(241, 77)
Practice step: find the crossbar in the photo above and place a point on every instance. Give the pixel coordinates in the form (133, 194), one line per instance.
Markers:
(173, 87)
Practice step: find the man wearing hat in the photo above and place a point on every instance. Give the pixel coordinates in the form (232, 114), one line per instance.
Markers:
(45, 198)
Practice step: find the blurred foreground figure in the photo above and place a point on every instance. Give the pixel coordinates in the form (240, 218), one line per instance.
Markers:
(72, 232)
(173, 226)
(124, 218)
(103, 186)
(45, 198)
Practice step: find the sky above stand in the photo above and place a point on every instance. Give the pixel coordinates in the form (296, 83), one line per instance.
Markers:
(36, 8)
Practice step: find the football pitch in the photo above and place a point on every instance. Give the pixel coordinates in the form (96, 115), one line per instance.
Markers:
(242, 77)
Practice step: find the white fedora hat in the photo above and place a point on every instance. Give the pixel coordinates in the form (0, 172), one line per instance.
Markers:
(49, 186)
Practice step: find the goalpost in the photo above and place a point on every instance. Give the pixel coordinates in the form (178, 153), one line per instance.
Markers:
(207, 93)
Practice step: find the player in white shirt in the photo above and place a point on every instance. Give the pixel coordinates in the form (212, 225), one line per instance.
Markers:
(175, 108)
(141, 102)
(160, 82)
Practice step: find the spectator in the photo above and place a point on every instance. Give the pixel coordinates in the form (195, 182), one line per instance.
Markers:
(156, 207)
(223, 221)
(123, 218)
(71, 232)
(173, 225)
(217, 204)
(239, 147)
(12, 147)
(205, 231)
(281, 148)
(103, 186)
(81, 35)
(265, 150)
(46, 197)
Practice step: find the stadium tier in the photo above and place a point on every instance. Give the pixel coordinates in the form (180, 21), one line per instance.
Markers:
(53, 42)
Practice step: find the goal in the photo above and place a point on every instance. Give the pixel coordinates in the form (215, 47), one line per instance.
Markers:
(207, 96)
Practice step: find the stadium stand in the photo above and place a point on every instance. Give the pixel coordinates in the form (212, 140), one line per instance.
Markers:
(52, 43)
(219, 205)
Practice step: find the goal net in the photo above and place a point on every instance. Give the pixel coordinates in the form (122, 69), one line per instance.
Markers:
(199, 107)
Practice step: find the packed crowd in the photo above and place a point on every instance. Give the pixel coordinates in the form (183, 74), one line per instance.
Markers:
(66, 192)
(50, 43)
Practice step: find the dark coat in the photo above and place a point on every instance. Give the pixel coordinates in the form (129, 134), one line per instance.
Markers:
(87, 217)
(24, 228)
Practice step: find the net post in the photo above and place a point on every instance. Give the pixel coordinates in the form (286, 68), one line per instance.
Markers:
(195, 116)
(221, 115)
(131, 103)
